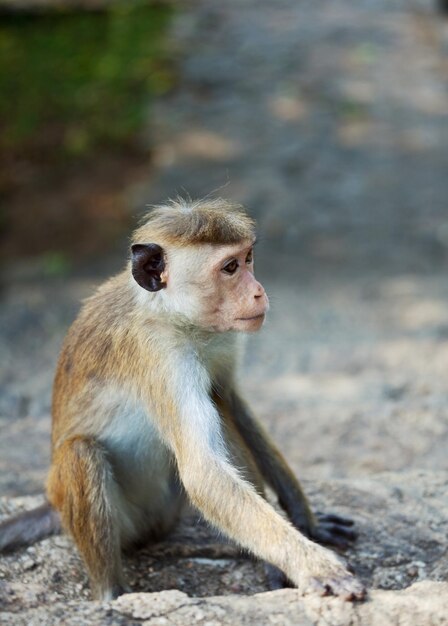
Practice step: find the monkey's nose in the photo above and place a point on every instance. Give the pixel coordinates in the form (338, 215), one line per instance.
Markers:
(259, 291)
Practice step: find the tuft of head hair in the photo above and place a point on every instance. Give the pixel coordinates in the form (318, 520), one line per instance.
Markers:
(185, 222)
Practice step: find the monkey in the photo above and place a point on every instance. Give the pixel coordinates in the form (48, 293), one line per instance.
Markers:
(147, 413)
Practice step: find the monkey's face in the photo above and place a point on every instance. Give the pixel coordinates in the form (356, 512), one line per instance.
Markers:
(214, 287)
(210, 286)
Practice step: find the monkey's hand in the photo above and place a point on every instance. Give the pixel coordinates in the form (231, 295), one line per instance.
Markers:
(327, 574)
(333, 530)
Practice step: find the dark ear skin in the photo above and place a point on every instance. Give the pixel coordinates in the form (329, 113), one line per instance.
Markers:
(148, 264)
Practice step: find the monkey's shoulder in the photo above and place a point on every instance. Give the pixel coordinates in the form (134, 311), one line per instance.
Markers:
(113, 344)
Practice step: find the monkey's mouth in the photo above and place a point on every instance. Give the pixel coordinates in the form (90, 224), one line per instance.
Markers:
(250, 319)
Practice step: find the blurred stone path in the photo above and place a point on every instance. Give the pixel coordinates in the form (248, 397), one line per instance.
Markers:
(329, 121)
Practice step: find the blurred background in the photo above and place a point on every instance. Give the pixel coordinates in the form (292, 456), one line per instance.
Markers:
(328, 120)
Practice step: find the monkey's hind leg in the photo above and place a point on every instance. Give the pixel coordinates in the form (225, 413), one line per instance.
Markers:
(81, 486)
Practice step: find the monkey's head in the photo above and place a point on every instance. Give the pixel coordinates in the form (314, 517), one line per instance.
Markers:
(196, 260)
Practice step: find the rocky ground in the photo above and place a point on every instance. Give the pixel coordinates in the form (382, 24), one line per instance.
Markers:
(329, 120)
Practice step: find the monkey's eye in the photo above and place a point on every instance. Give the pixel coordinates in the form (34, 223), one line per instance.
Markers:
(250, 257)
(230, 267)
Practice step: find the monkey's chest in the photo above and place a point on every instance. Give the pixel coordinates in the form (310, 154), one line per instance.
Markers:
(142, 464)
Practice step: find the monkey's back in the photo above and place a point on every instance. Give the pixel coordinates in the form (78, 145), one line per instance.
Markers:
(99, 346)
(94, 398)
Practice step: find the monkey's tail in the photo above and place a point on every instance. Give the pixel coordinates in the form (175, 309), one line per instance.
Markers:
(29, 527)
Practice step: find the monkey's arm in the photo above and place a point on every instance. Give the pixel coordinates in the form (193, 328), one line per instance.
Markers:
(191, 427)
(330, 529)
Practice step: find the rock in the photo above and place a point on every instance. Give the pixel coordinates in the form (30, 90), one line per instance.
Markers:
(16, 596)
(172, 608)
(422, 604)
(402, 520)
(149, 605)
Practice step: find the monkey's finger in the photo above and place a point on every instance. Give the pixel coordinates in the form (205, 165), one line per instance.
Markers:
(334, 539)
(324, 537)
(348, 588)
(341, 531)
(317, 586)
(336, 519)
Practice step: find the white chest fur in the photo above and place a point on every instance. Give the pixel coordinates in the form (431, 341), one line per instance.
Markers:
(142, 463)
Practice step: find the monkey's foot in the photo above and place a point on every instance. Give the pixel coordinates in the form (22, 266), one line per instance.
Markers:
(275, 578)
(112, 593)
(333, 530)
(119, 590)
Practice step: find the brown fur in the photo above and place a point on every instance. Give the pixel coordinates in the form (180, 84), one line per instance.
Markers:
(181, 223)
(78, 487)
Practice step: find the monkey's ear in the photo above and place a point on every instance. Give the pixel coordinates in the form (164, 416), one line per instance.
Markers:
(148, 264)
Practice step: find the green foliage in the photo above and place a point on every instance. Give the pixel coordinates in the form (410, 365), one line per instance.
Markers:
(55, 264)
(352, 110)
(71, 82)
